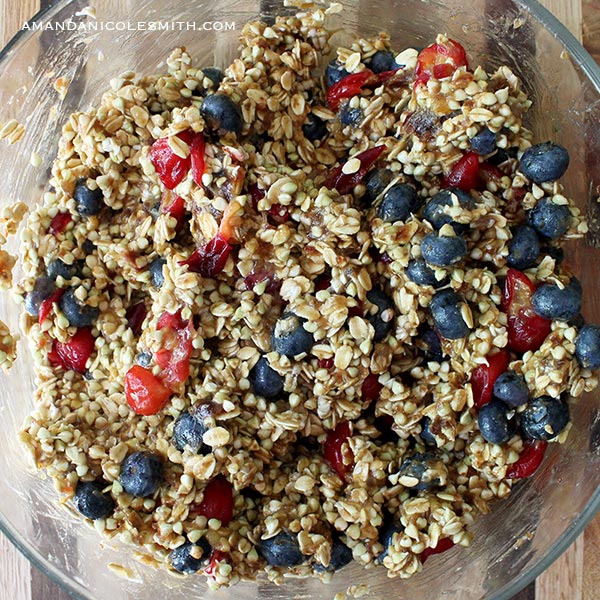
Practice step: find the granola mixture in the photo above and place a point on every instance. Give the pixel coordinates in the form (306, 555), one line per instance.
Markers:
(261, 345)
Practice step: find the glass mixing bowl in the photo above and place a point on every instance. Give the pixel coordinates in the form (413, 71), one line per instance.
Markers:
(522, 535)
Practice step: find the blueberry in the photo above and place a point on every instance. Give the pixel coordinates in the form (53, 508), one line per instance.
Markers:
(341, 555)
(544, 162)
(419, 272)
(75, 313)
(523, 248)
(88, 247)
(549, 219)
(510, 387)
(289, 336)
(189, 558)
(422, 467)
(281, 551)
(334, 72)
(265, 380)
(587, 347)
(434, 209)
(221, 112)
(89, 202)
(555, 252)
(157, 276)
(91, 501)
(188, 431)
(383, 60)
(144, 359)
(426, 435)
(446, 314)
(214, 74)
(386, 536)
(42, 288)
(551, 302)
(350, 116)
(383, 319)
(484, 142)
(58, 267)
(494, 424)
(375, 182)
(428, 343)
(441, 250)
(314, 128)
(141, 474)
(544, 418)
(398, 203)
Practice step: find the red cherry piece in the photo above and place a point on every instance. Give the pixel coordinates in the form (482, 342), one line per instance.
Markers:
(371, 388)
(278, 214)
(439, 61)
(490, 173)
(332, 448)
(345, 183)
(136, 315)
(210, 260)
(529, 461)
(357, 311)
(484, 377)
(197, 157)
(215, 558)
(349, 86)
(326, 363)
(59, 223)
(74, 353)
(256, 194)
(174, 358)
(48, 303)
(170, 167)
(218, 500)
(442, 545)
(175, 209)
(259, 275)
(465, 173)
(526, 330)
(145, 393)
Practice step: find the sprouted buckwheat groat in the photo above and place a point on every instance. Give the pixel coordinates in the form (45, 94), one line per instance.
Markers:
(307, 310)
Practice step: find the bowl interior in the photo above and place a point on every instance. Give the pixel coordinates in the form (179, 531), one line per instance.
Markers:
(524, 533)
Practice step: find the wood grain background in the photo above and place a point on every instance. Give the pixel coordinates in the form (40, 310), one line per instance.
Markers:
(574, 576)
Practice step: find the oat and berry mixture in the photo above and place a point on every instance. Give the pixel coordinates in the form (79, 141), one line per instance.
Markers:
(306, 310)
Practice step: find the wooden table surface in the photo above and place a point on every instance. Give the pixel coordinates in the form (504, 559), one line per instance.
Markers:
(574, 576)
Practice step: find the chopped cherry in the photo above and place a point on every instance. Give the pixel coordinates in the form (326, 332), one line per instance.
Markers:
(135, 315)
(526, 330)
(529, 461)
(371, 388)
(174, 207)
(215, 558)
(343, 183)
(439, 61)
(60, 222)
(258, 275)
(322, 282)
(332, 448)
(218, 500)
(326, 363)
(490, 173)
(174, 357)
(47, 304)
(197, 154)
(145, 393)
(256, 194)
(442, 545)
(170, 167)
(210, 260)
(74, 353)
(353, 84)
(278, 214)
(465, 173)
(357, 311)
(484, 377)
